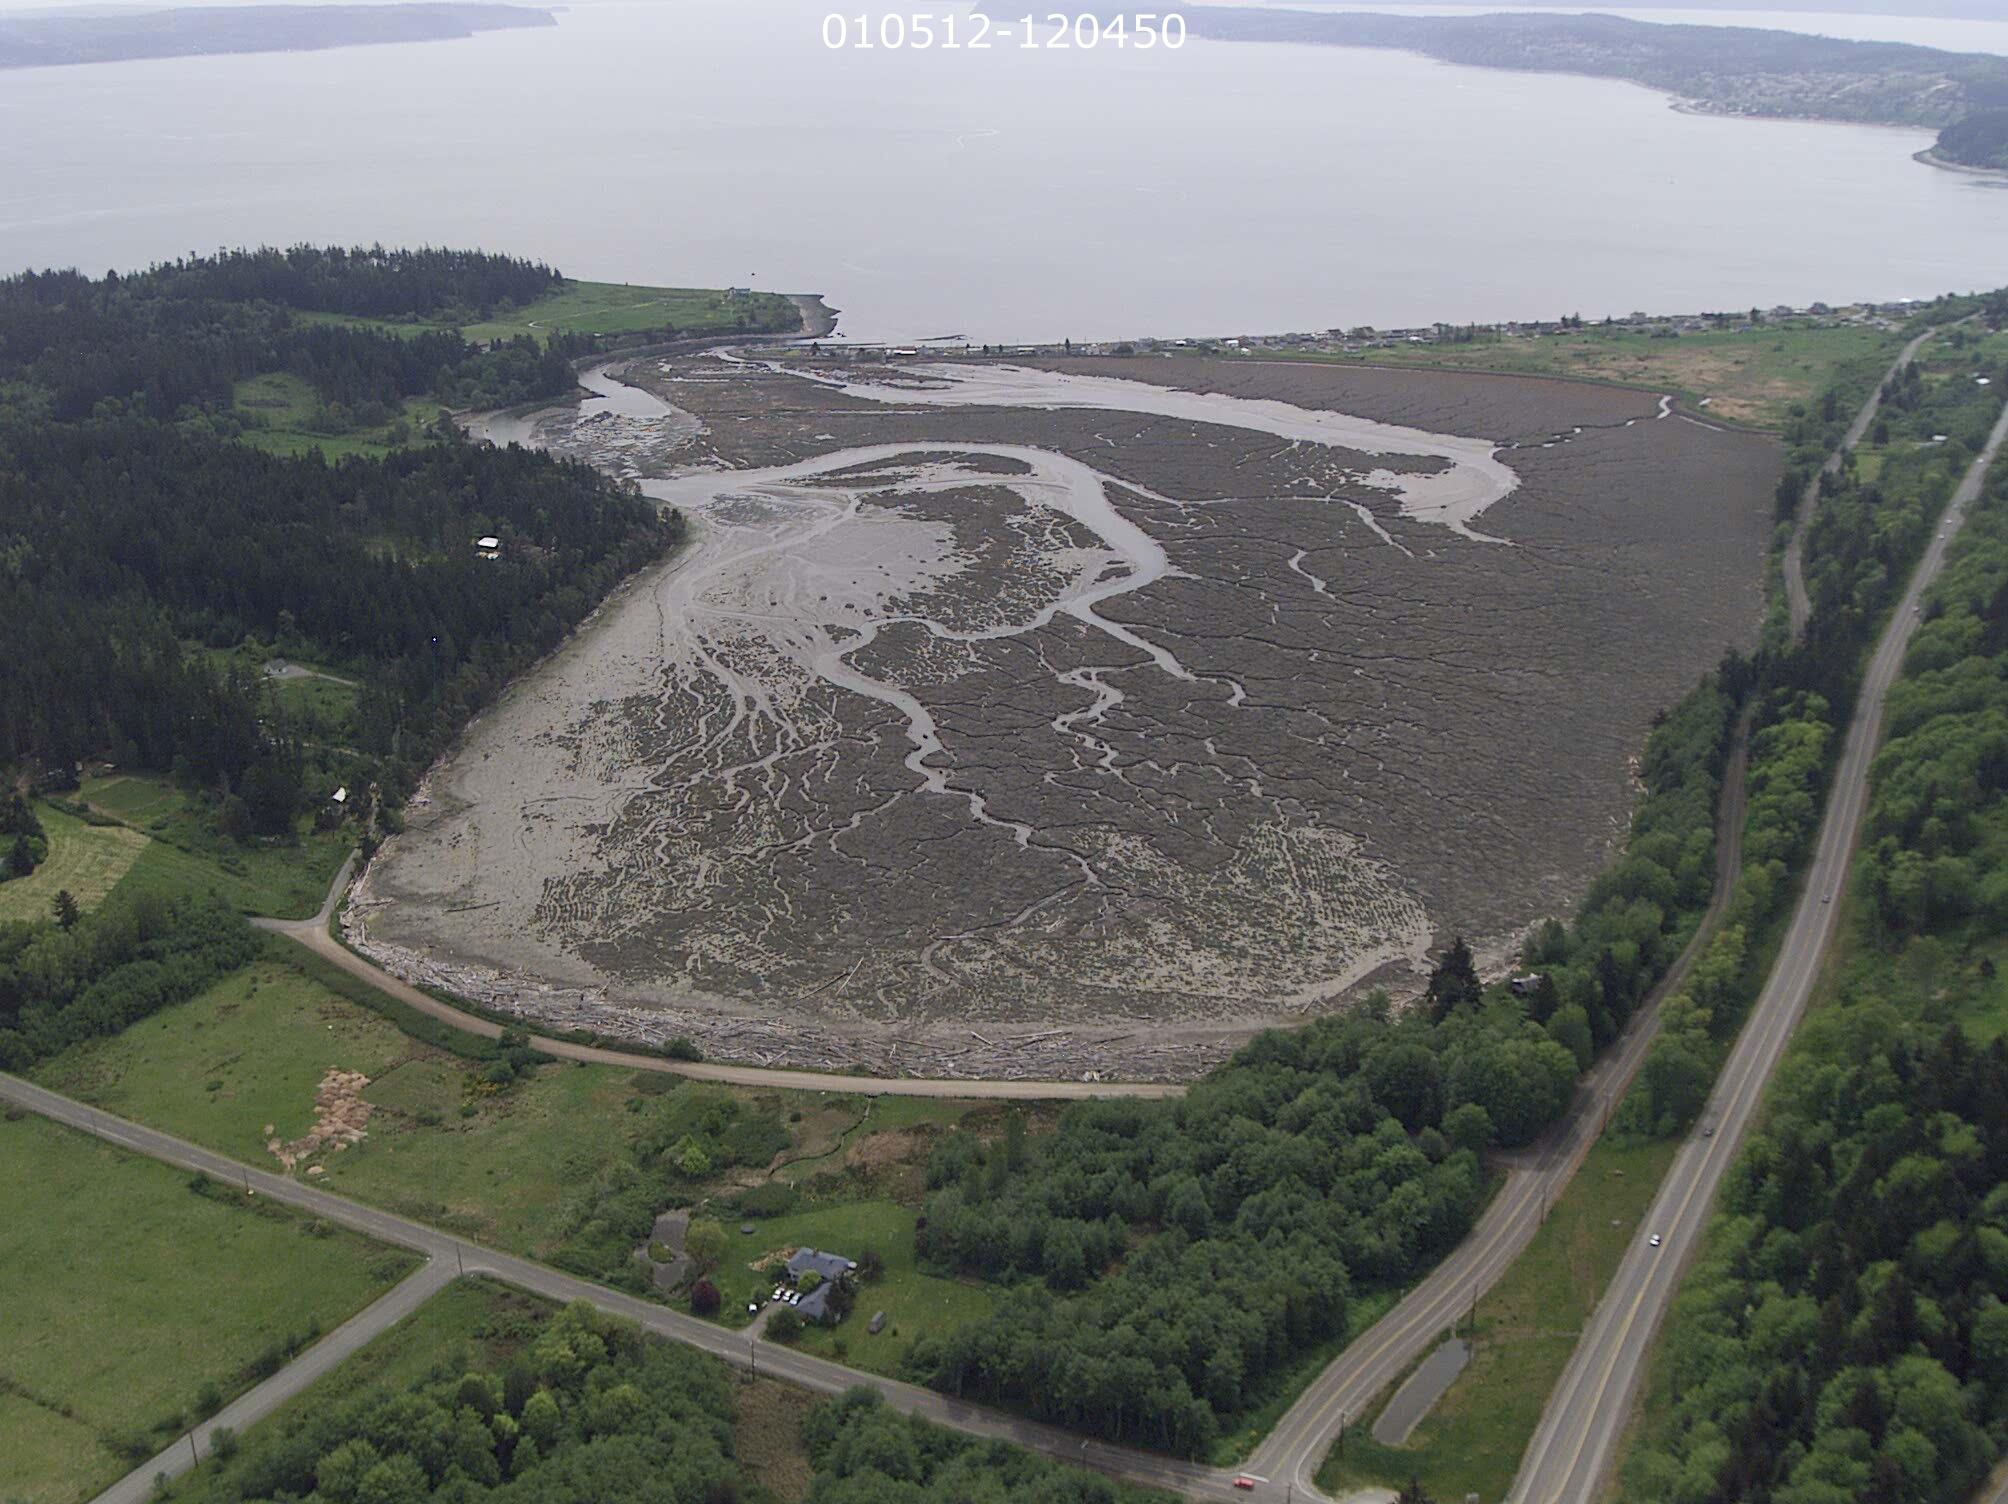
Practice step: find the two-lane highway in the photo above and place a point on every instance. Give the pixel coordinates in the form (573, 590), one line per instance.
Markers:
(1578, 1433)
(1292, 1453)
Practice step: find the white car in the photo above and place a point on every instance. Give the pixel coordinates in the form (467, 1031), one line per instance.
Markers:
(1653, 1240)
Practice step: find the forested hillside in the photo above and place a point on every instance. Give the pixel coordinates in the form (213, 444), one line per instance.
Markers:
(1845, 1338)
(1734, 69)
(139, 545)
(1980, 140)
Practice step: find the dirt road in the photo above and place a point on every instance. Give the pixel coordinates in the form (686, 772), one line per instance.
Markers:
(313, 934)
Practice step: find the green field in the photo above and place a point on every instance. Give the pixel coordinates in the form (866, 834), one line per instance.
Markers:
(284, 881)
(609, 308)
(1528, 1323)
(498, 1167)
(320, 699)
(282, 414)
(621, 308)
(86, 861)
(1746, 378)
(127, 1291)
(251, 1050)
(916, 1304)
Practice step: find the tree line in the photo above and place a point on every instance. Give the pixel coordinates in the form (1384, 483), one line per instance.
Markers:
(172, 343)
(1168, 1259)
(1845, 1338)
(580, 1408)
(134, 536)
(436, 282)
(128, 540)
(137, 953)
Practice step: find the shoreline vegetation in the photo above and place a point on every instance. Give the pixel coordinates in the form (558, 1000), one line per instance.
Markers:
(45, 41)
(1930, 158)
(1740, 71)
(236, 710)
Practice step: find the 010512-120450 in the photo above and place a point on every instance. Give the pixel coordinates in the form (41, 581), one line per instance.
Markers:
(1141, 31)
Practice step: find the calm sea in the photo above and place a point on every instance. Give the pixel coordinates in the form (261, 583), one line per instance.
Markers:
(1003, 194)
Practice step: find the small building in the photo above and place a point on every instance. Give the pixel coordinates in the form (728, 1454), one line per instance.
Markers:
(340, 795)
(1527, 985)
(737, 294)
(831, 1270)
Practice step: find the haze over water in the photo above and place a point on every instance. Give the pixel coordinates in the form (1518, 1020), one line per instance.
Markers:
(1224, 188)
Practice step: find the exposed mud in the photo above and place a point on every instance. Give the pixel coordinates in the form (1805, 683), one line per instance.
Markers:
(1033, 722)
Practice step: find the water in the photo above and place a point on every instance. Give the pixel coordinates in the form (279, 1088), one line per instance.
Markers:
(1000, 195)
(1952, 35)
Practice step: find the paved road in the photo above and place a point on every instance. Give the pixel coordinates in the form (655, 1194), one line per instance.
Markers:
(454, 1256)
(1574, 1443)
(260, 1401)
(1289, 1458)
(1796, 599)
(313, 933)
(1293, 1452)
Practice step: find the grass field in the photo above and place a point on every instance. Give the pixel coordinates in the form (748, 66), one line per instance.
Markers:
(498, 1168)
(320, 697)
(283, 415)
(86, 861)
(1473, 1440)
(610, 308)
(1746, 378)
(127, 1291)
(916, 1304)
(619, 308)
(286, 882)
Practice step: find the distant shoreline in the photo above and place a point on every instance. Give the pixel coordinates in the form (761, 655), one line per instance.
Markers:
(818, 317)
(1930, 158)
(158, 33)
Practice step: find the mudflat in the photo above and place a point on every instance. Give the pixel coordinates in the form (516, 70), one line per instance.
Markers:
(1018, 721)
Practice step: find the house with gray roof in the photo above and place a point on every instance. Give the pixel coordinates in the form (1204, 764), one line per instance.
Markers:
(831, 1270)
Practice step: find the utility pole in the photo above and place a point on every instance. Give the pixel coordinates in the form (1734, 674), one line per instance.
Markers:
(1342, 1433)
(1474, 1310)
(193, 1456)
(459, 1262)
